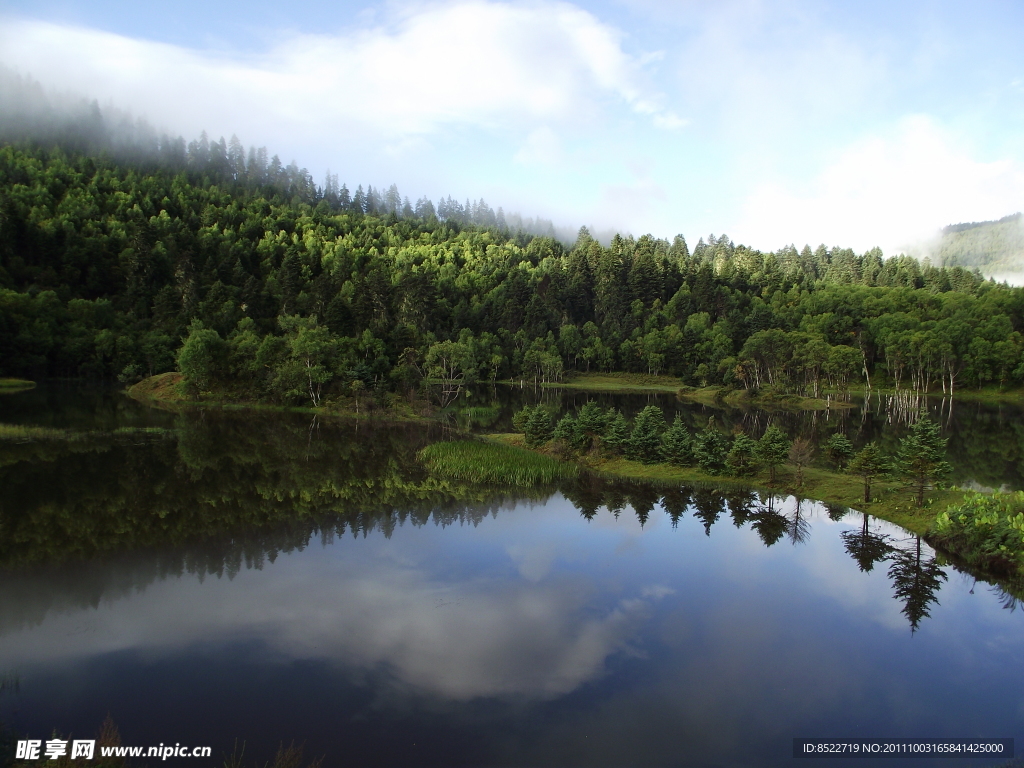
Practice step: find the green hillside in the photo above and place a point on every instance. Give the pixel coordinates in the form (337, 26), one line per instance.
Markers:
(991, 246)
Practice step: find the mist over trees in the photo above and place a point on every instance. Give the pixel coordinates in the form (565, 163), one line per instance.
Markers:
(128, 253)
(33, 115)
(993, 246)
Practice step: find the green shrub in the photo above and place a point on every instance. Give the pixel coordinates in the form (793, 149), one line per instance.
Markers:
(986, 530)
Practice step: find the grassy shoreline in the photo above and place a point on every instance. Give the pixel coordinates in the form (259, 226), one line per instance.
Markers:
(714, 396)
(167, 391)
(890, 501)
(15, 385)
(893, 504)
(720, 396)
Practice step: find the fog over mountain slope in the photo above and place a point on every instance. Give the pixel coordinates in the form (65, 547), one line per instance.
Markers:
(994, 247)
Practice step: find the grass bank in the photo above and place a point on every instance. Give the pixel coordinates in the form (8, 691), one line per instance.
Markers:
(494, 463)
(718, 397)
(891, 502)
(15, 385)
(170, 391)
(769, 401)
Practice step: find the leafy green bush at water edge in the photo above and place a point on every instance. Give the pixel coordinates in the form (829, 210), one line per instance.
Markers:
(986, 530)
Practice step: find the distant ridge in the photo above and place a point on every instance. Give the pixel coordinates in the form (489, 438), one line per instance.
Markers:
(975, 224)
(991, 246)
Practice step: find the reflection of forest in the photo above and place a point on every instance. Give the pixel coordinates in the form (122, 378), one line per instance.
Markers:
(986, 443)
(220, 492)
(214, 475)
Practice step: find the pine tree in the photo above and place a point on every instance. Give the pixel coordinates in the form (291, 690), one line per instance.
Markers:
(676, 444)
(868, 464)
(644, 443)
(521, 417)
(742, 458)
(616, 434)
(591, 423)
(839, 449)
(565, 431)
(538, 428)
(773, 449)
(921, 457)
(710, 447)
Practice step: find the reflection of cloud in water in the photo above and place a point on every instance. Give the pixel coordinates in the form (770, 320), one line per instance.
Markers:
(537, 637)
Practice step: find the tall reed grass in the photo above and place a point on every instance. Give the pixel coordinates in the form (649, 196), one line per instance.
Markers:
(494, 464)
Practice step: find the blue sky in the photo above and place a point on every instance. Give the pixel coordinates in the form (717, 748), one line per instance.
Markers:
(854, 124)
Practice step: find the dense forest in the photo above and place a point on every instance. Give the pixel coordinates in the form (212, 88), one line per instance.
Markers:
(237, 269)
(988, 245)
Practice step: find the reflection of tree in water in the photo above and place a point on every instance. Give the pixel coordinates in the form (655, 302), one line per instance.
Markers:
(587, 495)
(708, 506)
(741, 506)
(769, 524)
(643, 498)
(915, 582)
(675, 502)
(865, 546)
(835, 512)
(798, 528)
(218, 475)
(231, 492)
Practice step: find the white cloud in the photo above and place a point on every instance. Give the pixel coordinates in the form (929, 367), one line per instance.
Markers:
(477, 63)
(542, 147)
(893, 191)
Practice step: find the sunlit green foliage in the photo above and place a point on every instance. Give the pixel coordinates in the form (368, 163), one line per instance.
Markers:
(986, 530)
(105, 266)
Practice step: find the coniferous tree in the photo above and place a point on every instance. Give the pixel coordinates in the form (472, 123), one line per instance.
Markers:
(616, 434)
(921, 457)
(538, 427)
(710, 448)
(644, 443)
(773, 449)
(565, 431)
(676, 444)
(591, 423)
(742, 458)
(521, 417)
(868, 464)
(839, 449)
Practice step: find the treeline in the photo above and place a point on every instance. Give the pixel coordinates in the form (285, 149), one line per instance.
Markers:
(31, 115)
(106, 270)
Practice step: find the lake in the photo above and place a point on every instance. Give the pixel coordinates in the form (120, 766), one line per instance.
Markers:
(218, 577)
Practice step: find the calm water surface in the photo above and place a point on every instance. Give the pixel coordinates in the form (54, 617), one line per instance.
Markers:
(266, 579)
